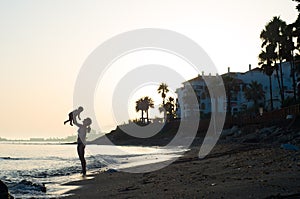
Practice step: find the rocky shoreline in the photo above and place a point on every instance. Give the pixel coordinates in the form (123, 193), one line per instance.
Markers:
(284, 131)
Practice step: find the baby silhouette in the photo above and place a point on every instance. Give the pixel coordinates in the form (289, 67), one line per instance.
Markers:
(73, 115)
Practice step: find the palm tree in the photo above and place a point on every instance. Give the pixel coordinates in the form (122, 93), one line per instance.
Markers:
(268, 67)
(298, 6)
(163, 89)
(170, 108)
(272, 35)
(143, 105)
(296, 34)
(140, 106)
(149, 103)
(254, 92)
(296, 26)
(288, 52)
(268, 70)
(292, 31)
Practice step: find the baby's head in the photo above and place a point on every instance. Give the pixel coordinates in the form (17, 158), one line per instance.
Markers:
(80, 108)
(87, 121)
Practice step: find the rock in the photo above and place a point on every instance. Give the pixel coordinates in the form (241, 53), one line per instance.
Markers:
(290, 147)
(28, 185)
(229, 132)
(264, 136)
(237, 133)
(4, 191)
(276, 132)
(251, 138)
(267, 130)
(234, 130)
(3, 187)
(225, 133)
(283, 138)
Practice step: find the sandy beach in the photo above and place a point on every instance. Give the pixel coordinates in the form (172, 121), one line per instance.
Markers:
(231, 170)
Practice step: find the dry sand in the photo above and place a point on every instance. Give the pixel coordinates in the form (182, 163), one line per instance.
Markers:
(229, 171)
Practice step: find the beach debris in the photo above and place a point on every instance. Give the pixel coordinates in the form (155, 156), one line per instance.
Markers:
(290, 147)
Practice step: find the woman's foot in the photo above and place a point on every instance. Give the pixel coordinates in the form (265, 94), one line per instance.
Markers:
(83, 174)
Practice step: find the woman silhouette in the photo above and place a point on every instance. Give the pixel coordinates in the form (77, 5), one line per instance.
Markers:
(81, 140)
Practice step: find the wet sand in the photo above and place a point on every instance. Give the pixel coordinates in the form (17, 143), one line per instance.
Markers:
(230, 171)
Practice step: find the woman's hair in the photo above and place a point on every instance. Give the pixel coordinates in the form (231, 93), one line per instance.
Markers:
(87, 121)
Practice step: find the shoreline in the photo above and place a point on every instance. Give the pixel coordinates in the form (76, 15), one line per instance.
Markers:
(247, 162)
(230, 170)
(145, 161)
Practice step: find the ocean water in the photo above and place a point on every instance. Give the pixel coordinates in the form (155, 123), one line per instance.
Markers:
(26, 167)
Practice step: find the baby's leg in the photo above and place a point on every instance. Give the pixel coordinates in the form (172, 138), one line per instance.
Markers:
(71, 119)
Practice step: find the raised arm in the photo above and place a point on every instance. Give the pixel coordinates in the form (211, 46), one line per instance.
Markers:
(76, 123)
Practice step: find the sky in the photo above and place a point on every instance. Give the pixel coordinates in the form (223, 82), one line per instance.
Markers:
(43, 45)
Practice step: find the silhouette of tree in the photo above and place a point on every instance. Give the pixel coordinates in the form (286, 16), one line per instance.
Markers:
(163, 89)
(254, 92)
(170, 108)
(282, 36)
(298, 6)
(140, 106)
(149, 103)
(287, 52)
(265, 61)
(272, 36)
(291, 34)
(296, 25)
(296, 34)
(143, 105)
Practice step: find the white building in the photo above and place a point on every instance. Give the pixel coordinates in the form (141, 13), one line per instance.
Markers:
(238, 101)
(258, 75)
(199, 85)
